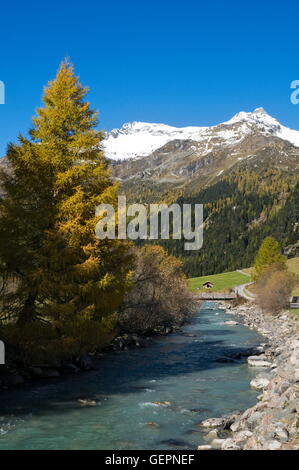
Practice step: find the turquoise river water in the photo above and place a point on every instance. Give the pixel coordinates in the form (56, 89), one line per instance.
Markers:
(186, 369)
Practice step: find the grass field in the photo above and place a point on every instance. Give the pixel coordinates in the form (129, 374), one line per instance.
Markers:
(222, 282)
(293, 266)
(225, 281)
(249, 271)
(294, 311)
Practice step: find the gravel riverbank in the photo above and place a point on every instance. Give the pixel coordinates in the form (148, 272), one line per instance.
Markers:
(273, 423)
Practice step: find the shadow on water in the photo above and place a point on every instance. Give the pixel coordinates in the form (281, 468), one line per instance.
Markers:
(144, 398)
(175, 355)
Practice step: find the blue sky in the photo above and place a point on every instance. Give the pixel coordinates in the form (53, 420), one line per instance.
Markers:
(181, 62)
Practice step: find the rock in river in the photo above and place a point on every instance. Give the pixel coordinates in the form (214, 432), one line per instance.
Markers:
(87, 402)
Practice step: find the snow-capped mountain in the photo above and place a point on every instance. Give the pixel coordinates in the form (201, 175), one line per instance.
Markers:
(139, 139)
(266, 124)
(155, 154)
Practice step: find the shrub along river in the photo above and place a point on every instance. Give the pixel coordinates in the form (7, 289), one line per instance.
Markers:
(191, 375)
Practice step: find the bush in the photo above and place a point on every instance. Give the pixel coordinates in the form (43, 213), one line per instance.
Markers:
(274, 289)
(159, 295)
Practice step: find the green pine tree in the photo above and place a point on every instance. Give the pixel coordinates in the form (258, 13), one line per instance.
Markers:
(268, 254)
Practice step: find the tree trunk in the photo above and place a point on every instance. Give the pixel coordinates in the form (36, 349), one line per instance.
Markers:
(27, 313)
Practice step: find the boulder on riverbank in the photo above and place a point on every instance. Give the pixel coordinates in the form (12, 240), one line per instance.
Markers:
(273, 423)
(258, 361)
(260, 382)
(126, 341)
(224, 422)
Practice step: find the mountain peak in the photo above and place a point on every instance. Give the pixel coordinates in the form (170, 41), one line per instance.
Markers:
(139, 139)
(259, 111)
(258, 115)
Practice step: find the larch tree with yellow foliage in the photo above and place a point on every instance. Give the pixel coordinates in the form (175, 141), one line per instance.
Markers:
(60, 276)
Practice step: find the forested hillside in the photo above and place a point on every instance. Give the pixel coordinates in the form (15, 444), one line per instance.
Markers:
(240, 210)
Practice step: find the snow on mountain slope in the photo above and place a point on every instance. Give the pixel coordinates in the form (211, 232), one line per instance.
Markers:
(138, 139)
(267, 124)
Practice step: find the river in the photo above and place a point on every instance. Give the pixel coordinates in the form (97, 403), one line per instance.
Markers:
(186, 369)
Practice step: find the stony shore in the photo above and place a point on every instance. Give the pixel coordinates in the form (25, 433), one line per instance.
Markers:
(273, 422)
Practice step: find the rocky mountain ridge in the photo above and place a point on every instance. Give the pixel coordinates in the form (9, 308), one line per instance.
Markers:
(140, 139)
(252, 140)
